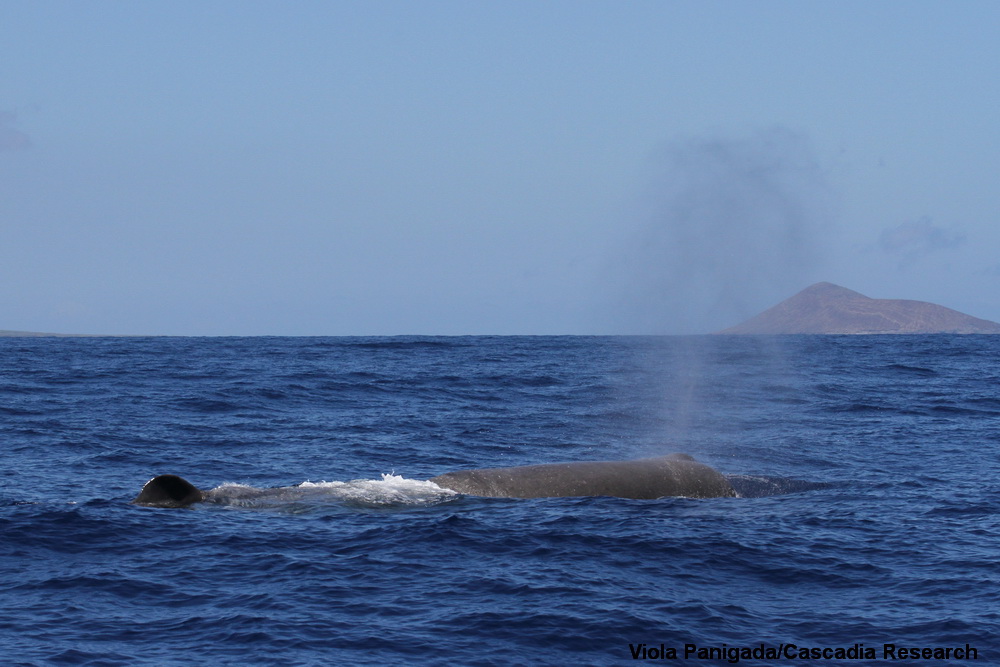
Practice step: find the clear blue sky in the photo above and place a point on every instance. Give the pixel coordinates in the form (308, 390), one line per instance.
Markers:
(490, 167)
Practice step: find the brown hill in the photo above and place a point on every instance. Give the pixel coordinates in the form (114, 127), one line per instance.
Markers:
(825, 308)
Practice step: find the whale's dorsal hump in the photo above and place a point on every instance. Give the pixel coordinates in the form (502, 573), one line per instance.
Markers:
(168, 491)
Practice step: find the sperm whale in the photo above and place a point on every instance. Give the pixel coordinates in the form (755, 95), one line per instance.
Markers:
(658, 477)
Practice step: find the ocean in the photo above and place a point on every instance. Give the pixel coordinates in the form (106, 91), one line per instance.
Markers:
(867, 530)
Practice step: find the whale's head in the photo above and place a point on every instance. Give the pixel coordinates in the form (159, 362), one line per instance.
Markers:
(168, 491)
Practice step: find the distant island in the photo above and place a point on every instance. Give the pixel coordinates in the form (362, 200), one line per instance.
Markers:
(35, 334)
(825, 308)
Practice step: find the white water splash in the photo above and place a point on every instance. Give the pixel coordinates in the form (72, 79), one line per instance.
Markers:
(390, 491)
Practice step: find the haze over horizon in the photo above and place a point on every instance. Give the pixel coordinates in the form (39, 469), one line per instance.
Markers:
(348, 168)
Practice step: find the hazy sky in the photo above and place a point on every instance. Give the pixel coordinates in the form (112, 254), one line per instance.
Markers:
(510, 167)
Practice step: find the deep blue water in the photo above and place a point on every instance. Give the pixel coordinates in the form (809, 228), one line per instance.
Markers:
(888, 531)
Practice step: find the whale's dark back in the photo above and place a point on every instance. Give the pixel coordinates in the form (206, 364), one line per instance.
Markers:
(168, 491)
(673, 475)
